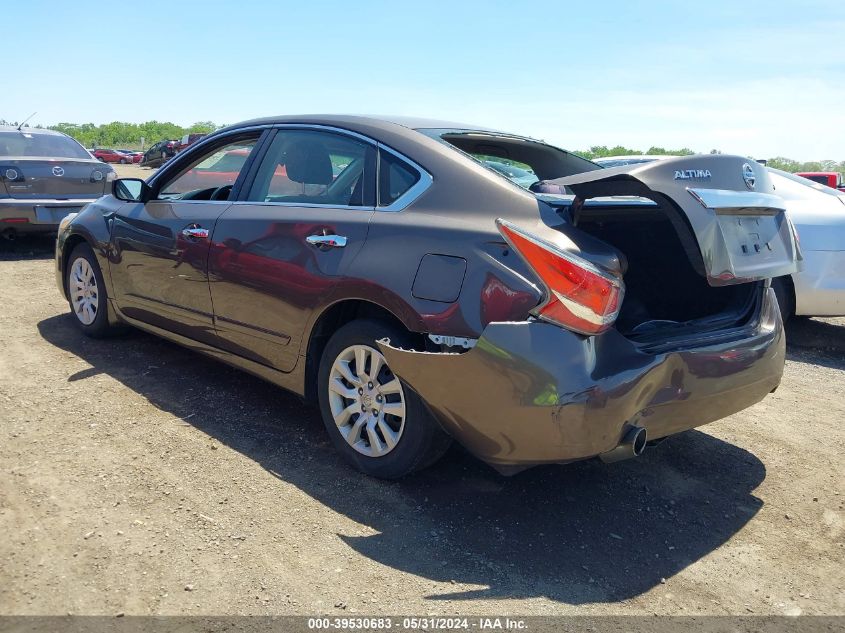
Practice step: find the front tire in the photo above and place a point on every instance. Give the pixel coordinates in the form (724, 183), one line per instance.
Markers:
(86, 292)
(377, 423)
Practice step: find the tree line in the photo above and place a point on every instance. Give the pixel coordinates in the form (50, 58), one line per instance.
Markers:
(778, 162)
(126, 135)
(129, 135)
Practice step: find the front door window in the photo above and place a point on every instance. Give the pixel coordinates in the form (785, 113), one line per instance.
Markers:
(212, 175)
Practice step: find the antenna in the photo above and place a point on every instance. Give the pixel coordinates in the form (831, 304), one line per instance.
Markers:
(25, 120)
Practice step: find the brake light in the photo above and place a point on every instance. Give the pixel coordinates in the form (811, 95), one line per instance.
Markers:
(579, 296)
(15, 220)
(12, 174)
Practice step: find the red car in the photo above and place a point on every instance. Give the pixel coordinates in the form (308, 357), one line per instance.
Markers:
(111, 156)
(134, 155)
(832, 179)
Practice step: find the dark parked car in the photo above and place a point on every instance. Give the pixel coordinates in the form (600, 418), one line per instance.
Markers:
(45, 175)
(159, 154)
(418, 295)
(111, 156)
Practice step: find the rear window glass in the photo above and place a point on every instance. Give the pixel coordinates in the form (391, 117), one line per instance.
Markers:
(518, 173)
(521, 160)
(395, 178)
(819, 179)
(23, 143)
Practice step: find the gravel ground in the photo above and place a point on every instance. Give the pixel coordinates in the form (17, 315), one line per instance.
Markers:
(137, 477)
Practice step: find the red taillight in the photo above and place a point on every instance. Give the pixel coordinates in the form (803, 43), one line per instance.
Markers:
(15, 220)
(580, 297)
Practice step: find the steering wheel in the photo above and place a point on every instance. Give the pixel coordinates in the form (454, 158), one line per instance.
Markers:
(221, 193)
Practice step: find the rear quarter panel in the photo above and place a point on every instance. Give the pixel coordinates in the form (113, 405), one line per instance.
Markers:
(456, 217)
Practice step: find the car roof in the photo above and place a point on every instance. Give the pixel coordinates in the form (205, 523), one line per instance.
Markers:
(413, 123)
(30, 130)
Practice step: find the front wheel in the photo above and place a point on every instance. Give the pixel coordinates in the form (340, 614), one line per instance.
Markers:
(87, 292)
(379, 425)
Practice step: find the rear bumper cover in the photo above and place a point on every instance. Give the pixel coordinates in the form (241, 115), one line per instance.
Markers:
(41, 215)
(532, 393)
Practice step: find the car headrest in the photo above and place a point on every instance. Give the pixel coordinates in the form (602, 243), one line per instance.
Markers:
(307, 161)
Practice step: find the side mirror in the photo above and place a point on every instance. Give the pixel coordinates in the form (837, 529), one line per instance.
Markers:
(131, 190)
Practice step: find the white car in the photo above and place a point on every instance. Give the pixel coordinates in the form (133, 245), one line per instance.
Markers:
(818, 213)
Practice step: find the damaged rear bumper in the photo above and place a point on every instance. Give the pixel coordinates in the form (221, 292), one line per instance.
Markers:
(532, 393)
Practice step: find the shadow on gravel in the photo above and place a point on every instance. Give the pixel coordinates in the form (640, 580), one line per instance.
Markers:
(816, 342)
(581, 533)
(28, 247)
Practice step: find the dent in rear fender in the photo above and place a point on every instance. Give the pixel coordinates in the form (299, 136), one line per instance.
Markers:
(531, 392)
(481, 396)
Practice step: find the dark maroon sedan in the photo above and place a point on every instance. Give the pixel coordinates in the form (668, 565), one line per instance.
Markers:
(392, 272)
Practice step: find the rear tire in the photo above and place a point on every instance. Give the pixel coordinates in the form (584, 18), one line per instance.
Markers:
(86, 292)
(375, 421)
(786, 297)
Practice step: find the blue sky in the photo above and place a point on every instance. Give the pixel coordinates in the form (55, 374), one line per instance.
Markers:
(755, 78)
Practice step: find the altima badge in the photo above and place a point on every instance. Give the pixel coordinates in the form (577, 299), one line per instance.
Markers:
(692, 174)
(58, 171)
(748, 176)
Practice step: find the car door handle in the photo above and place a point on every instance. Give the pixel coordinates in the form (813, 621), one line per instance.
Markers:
(326, 241)
(197, 232)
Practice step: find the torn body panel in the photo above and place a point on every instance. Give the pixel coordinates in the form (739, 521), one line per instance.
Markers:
(530, 393)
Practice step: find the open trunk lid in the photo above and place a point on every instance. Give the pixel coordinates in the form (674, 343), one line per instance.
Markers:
(729, 203)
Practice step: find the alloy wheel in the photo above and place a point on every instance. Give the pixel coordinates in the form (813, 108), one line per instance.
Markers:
(84, 294)
(366, 401)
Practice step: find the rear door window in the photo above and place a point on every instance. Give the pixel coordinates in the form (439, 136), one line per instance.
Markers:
(395, 178)
(315, 167)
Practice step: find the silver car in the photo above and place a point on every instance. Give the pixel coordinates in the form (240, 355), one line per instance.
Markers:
(818, 213)
(44, 176)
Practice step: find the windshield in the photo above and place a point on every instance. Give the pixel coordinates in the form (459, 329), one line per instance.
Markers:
(23, 143)
(523, 161)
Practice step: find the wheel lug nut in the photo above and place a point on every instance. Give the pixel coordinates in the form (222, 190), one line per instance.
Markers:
(369, 385)
(378, 398)
(375, 412)
(360, 391)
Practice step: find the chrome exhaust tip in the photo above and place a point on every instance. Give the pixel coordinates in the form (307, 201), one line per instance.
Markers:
(633, 443)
